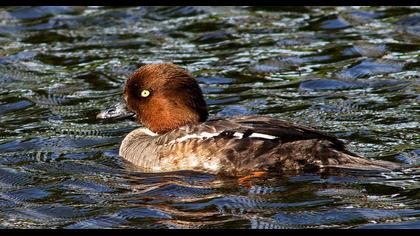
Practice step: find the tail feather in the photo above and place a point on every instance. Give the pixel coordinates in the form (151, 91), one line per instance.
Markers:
(348, 161)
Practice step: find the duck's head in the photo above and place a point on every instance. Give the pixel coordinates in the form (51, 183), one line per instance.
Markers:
(164, 97)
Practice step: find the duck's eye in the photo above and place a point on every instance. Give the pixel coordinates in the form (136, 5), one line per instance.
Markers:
(145, 93)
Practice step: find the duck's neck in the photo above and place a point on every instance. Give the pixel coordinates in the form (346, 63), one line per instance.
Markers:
(162, 118)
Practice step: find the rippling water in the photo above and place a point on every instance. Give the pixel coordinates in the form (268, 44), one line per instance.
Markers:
(351, 71)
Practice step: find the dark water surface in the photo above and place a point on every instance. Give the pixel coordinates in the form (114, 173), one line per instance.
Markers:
(351, 71)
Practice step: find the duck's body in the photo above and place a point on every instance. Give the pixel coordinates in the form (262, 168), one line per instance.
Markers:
(239, 146)
(169, 103)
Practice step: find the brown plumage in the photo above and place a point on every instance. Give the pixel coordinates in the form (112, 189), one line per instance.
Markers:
(169, 102)
(175, 97)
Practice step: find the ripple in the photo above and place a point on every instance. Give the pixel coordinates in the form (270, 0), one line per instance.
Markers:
(176, 191)
(331, 22)
(85, 186)
(27, 194)
(341, 216)
(71, 168)
(397, 225)
(53, 212)
(62, 143)
(370, 67)
(370, 50)
(412, 20)
(233, 203)
(104, 222)
(276, 65)
(142, 212)
(13, 178)
(361, 17)
(203, 26)
(16, 106)
(322, 84)
(26, 13)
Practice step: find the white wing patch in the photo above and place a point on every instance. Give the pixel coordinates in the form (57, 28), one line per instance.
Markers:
(148, 131)
(254, 135)
(191, 136)
(205, 135)
(259, 135)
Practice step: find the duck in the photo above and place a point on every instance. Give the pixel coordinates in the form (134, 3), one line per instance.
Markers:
(176, 134)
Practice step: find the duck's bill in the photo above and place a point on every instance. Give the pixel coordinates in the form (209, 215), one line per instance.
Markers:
(117, 111)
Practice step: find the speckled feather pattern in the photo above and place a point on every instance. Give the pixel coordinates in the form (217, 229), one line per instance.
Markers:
(296, 147)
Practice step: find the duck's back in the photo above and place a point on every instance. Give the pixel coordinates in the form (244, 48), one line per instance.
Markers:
(240, 145)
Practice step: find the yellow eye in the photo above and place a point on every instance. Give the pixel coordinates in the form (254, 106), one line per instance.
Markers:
(145, 93)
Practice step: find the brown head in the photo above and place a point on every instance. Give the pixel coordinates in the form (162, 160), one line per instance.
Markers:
(164, 97)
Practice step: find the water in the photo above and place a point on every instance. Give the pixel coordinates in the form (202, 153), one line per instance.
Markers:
(351, 71)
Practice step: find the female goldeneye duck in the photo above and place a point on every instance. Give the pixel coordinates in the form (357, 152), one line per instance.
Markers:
(169, 103)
